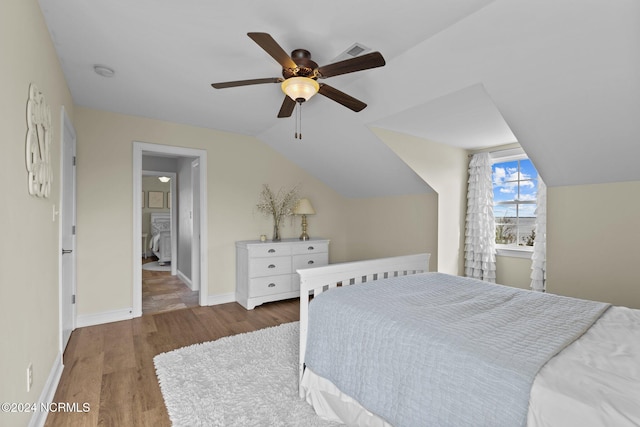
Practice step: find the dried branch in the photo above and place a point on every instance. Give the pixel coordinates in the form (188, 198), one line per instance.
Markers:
(278, 205)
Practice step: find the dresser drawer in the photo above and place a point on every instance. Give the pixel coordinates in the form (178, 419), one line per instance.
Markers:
(270, 266)
(309, 261)
(269, 250)
(309, 248)
(269, 285)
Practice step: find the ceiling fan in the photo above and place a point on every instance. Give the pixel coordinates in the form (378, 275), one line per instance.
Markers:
(300, 75)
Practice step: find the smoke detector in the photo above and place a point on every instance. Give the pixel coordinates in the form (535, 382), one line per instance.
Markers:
(103, 70)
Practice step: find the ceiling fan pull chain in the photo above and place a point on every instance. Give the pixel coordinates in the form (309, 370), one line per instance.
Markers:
(296, 120)
(300, 120)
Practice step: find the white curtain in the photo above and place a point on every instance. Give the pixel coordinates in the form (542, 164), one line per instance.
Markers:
(539, 257)
(480, 237)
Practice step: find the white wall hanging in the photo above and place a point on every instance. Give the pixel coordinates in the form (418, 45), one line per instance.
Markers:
(38, 144)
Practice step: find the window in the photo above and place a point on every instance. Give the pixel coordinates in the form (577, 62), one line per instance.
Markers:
(515, 188)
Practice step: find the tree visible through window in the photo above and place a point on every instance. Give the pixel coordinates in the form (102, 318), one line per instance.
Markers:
(515, 188)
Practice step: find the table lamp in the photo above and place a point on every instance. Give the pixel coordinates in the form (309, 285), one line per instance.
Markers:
(304, 208)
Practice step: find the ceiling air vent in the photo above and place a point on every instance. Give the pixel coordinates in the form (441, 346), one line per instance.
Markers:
(353, 51)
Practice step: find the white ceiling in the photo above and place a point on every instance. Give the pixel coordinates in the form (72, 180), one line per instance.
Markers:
(562, 77)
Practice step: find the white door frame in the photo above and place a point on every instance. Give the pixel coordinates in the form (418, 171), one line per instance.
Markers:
(196, 260)
(140, 148)
(67, 282)
(173, 217)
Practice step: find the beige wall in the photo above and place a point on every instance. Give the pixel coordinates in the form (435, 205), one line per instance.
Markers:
(238, 165)
(29, 249)
(593, 242)
(445, 169)
(390, 226)
(513, 271)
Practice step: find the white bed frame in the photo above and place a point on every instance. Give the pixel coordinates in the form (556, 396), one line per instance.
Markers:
(314, 281)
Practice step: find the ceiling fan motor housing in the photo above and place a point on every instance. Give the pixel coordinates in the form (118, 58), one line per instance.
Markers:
(306, 67)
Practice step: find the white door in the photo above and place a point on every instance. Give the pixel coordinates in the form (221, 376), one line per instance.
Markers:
(67, 232)
(195, 222)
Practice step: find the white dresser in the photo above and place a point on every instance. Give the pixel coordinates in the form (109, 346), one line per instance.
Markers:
(266, 271)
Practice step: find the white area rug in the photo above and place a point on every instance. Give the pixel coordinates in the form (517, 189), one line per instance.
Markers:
(154, 266)
(243, 380)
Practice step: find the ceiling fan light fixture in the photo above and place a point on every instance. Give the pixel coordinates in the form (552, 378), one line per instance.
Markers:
(300, 88)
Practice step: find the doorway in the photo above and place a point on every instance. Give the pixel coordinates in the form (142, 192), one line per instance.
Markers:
(164, 286)
(195, 264)
(158, 199)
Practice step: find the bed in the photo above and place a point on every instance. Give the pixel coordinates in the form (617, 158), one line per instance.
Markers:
(160, 243)
(444, 350)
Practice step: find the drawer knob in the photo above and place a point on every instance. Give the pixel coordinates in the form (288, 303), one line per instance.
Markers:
(310, 262)
(271, 285)
(272, 251)
(310, 248)
(271, 266)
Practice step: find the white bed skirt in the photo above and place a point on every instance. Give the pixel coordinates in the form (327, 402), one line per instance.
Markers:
(333, 405)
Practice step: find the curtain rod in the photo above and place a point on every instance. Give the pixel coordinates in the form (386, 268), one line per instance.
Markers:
(490, 151)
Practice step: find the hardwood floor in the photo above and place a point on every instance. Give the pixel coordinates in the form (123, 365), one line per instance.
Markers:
(110, 367)
(163, 292)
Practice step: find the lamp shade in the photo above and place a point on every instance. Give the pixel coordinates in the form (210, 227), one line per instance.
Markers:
(303, 207)
(164, 178)
(300, 88)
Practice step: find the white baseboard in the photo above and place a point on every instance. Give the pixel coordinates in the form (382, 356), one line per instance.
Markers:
(221, 299)
(46, 396)
(185, 280)
(84, 320)
(104, 317)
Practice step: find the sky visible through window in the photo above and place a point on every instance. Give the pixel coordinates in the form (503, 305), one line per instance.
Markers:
(506, 178)
(515, 188)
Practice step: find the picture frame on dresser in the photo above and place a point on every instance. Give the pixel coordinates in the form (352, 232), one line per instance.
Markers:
(266, 271)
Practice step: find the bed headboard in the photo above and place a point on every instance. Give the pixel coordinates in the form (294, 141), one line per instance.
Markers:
(160, 221)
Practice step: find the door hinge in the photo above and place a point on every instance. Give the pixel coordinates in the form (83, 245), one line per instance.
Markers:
(73, 299)
(73, 230)
(74, 160)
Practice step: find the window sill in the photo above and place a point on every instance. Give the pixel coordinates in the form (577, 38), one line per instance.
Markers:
(514, 252)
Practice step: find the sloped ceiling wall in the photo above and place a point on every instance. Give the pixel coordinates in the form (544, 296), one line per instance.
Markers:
(562, 77)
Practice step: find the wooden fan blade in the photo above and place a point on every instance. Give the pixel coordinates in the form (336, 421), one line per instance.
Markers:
(287, 107)
(246, 82)
(342, 98)
(359, 63)
(266, 42)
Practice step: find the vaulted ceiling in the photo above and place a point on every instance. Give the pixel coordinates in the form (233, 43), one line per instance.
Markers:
(562, 77)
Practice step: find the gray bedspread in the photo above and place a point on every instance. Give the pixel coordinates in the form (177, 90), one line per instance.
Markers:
(440, 350)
